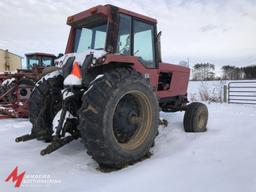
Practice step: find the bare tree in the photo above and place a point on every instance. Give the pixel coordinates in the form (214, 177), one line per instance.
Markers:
(232, 72)
(203, 71)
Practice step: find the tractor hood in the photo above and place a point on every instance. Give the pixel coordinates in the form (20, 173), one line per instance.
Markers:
(79, 57)
(73, 63)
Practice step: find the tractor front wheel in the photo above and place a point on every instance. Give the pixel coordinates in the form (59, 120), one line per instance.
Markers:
(196, 117)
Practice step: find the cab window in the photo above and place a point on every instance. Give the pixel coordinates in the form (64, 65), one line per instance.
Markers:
(47, 61)
(124, 35)
(144, 43)
(90, 38)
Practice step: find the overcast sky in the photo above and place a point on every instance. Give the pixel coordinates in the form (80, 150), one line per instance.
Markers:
(221, 32)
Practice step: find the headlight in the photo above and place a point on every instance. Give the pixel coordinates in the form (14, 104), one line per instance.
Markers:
(98, 61)
(94, 61)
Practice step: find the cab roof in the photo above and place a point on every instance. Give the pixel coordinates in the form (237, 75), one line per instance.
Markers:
(105, 10)
(40, 54)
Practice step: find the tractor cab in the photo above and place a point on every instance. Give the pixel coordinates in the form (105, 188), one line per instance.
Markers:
(128, 38)
(40, 60)
(115, 30)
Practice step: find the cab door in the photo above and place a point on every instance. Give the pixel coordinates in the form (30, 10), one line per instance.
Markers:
(137, 39)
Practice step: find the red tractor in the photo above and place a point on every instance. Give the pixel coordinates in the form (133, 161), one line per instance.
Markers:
(15, 88)
(109, 89)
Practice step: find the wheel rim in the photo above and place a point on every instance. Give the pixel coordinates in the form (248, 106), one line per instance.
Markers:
(132, 120)
(201, 120)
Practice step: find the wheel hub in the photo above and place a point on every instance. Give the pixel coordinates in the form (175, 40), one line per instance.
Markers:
(126, 117)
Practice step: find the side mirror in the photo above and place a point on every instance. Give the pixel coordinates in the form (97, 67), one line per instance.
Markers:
(158, 47)
(60, 55)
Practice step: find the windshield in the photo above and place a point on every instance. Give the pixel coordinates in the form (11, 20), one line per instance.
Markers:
(47, 61)
(90, 38)
(32, 62)
(39, 61)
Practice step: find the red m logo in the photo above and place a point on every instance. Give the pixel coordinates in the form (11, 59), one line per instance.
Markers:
(15, 177)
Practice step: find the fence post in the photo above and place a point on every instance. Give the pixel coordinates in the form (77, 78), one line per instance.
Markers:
(225, 92)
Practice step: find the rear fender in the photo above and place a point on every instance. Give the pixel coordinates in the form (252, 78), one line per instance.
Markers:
(125, 60)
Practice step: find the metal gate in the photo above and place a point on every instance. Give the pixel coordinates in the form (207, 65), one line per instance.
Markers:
(242, 92)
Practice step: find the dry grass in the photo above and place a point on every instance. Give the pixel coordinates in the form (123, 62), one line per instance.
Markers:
(211, 96)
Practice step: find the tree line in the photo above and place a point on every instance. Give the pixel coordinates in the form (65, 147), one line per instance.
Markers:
(206, 71)
(233, 72)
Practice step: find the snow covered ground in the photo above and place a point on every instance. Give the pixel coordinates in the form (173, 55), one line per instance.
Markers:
(222, 159)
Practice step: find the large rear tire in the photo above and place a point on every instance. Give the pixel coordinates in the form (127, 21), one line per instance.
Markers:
(118, 120)
(45, 102)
